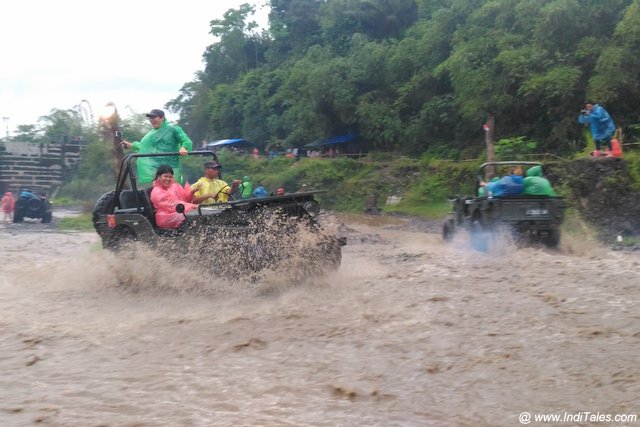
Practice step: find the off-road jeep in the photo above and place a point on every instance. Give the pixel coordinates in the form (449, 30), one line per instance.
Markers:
(529, 218)
(30, 205)
(250, 234)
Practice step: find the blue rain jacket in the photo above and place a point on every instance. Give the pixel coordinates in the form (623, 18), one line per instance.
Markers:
(600, 123)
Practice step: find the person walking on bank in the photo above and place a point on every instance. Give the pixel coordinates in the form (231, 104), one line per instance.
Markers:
(8, 206)
(163, 138)
(600, 123)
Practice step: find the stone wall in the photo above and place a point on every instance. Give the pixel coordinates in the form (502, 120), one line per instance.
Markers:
(40, 167)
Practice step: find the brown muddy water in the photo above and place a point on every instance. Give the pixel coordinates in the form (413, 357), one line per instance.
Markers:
(408, 332)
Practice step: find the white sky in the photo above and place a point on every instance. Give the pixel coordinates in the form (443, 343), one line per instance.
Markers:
(136, 54)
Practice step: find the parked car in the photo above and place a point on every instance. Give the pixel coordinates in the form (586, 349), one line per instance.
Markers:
(31, 205)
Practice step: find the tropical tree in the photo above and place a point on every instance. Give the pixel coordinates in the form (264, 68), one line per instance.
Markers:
(616, 78)
(238, 49)
(28, 133)
(61, 125)
(417, 75)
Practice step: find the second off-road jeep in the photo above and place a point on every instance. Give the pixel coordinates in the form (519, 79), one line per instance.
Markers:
(241, 235)
(31, 205)
(527, 217)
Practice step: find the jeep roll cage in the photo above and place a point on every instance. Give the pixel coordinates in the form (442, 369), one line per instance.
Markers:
(128, 172)
(482, 170)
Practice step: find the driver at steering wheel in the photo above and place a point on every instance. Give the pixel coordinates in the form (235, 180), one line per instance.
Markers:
(210, 188)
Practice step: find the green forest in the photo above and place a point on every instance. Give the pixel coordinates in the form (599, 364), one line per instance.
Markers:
(416, 80)
(407, 76)
(416, 76)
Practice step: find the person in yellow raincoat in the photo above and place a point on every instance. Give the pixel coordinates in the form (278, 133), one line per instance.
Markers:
(211, 188)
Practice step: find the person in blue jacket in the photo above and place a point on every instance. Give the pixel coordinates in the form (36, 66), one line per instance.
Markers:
(509, 185)
(600, 123)
(260, 191)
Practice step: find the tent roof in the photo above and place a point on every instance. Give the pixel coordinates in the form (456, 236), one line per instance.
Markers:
(340, 139)
(221, 142)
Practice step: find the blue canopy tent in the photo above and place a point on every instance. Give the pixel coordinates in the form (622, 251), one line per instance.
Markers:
(347, 144)
(340, 139)
(239, 145)
(224, 142)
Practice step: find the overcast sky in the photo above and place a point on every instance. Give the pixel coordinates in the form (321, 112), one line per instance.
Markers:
(136, 54)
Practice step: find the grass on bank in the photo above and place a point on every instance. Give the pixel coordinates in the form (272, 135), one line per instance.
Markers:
(424, 184)
(82, 222)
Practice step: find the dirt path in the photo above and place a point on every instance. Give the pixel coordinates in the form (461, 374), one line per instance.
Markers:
(409, 332)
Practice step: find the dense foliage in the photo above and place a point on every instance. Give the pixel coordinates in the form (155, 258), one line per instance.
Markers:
(417, 75)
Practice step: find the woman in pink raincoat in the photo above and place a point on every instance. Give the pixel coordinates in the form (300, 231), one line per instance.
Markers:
(8, 206)
(166, 195)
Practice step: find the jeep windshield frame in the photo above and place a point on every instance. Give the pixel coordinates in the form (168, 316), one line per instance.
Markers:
(128, 174)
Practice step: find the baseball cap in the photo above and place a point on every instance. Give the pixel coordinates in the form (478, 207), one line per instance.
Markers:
(212, 165)
(154, 112)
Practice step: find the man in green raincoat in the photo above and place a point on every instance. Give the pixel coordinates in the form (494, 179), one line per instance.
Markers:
(163, 138)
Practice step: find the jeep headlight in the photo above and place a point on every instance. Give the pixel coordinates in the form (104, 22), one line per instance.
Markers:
(312, 207)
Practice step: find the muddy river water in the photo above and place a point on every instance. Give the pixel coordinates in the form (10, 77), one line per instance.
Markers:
(408, 332)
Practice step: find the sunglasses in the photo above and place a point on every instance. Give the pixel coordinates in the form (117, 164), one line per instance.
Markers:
(152, 117)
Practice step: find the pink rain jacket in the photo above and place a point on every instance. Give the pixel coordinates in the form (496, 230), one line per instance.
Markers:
(165, 202)
(8, 202)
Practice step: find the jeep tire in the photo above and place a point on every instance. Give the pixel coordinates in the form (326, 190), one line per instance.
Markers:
(103, 206)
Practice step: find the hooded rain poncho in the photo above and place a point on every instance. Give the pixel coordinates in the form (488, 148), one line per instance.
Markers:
(600, 123)
(166, 139)
(537, 185)
(165, 201)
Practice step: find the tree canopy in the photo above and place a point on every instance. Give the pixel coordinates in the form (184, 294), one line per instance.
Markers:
(416, 75)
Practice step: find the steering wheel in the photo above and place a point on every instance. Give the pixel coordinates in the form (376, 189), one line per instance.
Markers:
(234, 195)
(237, 194)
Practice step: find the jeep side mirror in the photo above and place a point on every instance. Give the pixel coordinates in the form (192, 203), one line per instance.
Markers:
(180, 208)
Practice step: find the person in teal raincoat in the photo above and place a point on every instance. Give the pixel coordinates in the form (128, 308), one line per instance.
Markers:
(163, 138)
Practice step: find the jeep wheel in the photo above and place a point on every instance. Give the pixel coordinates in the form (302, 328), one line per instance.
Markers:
(479, 237)
(103, 206)
(46, 217)
(329, 255)
(448, 229)
(121, 240)
(18, 214)
(552, 240)
(33, 208)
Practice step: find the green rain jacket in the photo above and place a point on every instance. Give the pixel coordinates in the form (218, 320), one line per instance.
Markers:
(166, 139)
(536, 184)
(247, 188)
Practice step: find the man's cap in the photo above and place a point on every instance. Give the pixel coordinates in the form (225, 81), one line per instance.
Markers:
(212, 165)
(155, 112)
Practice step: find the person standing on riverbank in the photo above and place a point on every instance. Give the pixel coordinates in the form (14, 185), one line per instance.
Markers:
(8, 206)
(600, 123)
